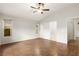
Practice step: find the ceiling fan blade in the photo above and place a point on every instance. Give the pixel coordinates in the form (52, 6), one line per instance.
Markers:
(45, 9)
(33, 7)
(34, 11)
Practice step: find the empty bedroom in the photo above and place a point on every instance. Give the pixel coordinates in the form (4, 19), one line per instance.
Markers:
(39, 29)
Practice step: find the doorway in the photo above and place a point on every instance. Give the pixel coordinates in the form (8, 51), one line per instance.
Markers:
(73, 36)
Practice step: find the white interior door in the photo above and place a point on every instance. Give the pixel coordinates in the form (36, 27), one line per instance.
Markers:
(73, 29)
(0, 32)
(70, 29)
(76, 28)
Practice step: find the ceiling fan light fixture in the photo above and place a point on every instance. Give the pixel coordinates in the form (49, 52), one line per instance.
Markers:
(40, 8)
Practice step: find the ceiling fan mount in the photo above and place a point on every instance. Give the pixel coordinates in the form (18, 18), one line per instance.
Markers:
(40, 8)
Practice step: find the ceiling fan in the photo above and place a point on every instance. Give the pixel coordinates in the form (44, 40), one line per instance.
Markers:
(39, 8)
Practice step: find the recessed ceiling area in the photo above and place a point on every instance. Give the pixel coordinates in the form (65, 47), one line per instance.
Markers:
(23, 10)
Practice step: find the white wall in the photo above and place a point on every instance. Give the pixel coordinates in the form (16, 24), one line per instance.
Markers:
(0, 31)
(58, 32)
(45, 30)
(21, 30)
(61, 17)
(61, 31)
(48, 30)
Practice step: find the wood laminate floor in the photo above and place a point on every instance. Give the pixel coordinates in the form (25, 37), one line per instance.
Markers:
(38, 47)
(73, 48)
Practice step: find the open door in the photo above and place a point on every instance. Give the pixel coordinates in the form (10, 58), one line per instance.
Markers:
(73, 37)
